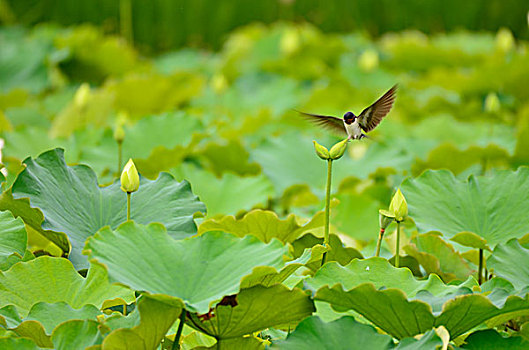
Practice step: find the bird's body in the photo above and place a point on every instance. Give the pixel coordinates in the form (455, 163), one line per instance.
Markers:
(354, 126)
(353, 130)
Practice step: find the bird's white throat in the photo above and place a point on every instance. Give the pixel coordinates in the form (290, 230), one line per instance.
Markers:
(354, 131)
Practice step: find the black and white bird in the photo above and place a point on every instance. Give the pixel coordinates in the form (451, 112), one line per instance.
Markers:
(354, 126)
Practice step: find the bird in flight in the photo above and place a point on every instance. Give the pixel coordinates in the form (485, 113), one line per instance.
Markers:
(353, 126)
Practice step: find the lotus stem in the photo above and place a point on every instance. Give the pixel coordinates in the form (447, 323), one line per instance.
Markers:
(379, 242)
(397, 248)
(128, 205)
(125, 19)
(480, 267)
(327, 208)
(176, 342)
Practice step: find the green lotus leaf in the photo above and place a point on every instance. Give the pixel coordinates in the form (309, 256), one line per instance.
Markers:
(167, 130)
(18, 344)
(439, 257)
(388, 309)
(263, 224)
(223, 196)
(197, 270)
(510, 261)
(228, 156)
(429, 340)
(380, 273)
(344, 333)
(235, 315)
(521, 152)
(297, 163)
(73, 203)
(468, 311)
(9, 317)
(23, 61)
(268, 276)
(357, 216)
(470, 239)
(76, 334)
(448, 156)
(53, 280)
(34, 331)
(338, 251)
(51, 315)
(241, 343)
(156, 317)
(13, 239)
(489, 339)
(489, 206)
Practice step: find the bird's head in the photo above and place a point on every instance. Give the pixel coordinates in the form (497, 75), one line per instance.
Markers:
(349, 117)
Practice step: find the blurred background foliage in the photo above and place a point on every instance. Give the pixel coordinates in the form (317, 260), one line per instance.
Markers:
(166, 24)
(211, 101)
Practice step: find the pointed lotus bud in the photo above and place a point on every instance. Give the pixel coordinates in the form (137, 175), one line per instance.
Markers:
(321, 151)
(119, 133)
(504, 39)
(219, 83)
(368, 60)
(384, 219)
(130, 180)
(338, 149)
(398, 206)
(492, 103)
(81, 95)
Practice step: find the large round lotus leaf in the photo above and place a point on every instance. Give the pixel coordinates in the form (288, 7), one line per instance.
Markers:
(235, 315)
(263, 224)
(76, 334)
(155, 319)
(224, 195)
(489, 339)
(493, 207)
(198, 270)
(429, 340)
(438, 256)
(388, 309)
(18, 344)
(343, 334)
(511, 261)
(74, 204)
(52, 280)
(381, 274)
(51, 315)
(13, 239)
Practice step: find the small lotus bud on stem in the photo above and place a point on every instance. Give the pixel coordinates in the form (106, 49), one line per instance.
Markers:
(130, 182)
(321, 151)
(338, 149)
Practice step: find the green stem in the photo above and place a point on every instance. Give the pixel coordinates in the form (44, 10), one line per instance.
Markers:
(397, 248)
(176, 342)
(128, 205)
(327, 208)
(125, 19)
(120, 155)
(480, 267)
(379, 243)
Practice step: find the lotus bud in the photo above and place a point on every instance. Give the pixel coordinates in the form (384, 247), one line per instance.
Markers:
(398, 206)
(492, 103)
(321, 151)
(338, 149)
(504, 40)
(81, 95)
(119, 133)
(219, 83)
(130, 180)
(383, 219)
(368, 60)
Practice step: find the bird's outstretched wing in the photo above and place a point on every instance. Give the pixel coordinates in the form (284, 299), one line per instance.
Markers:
(372, 115)
(326, 121)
